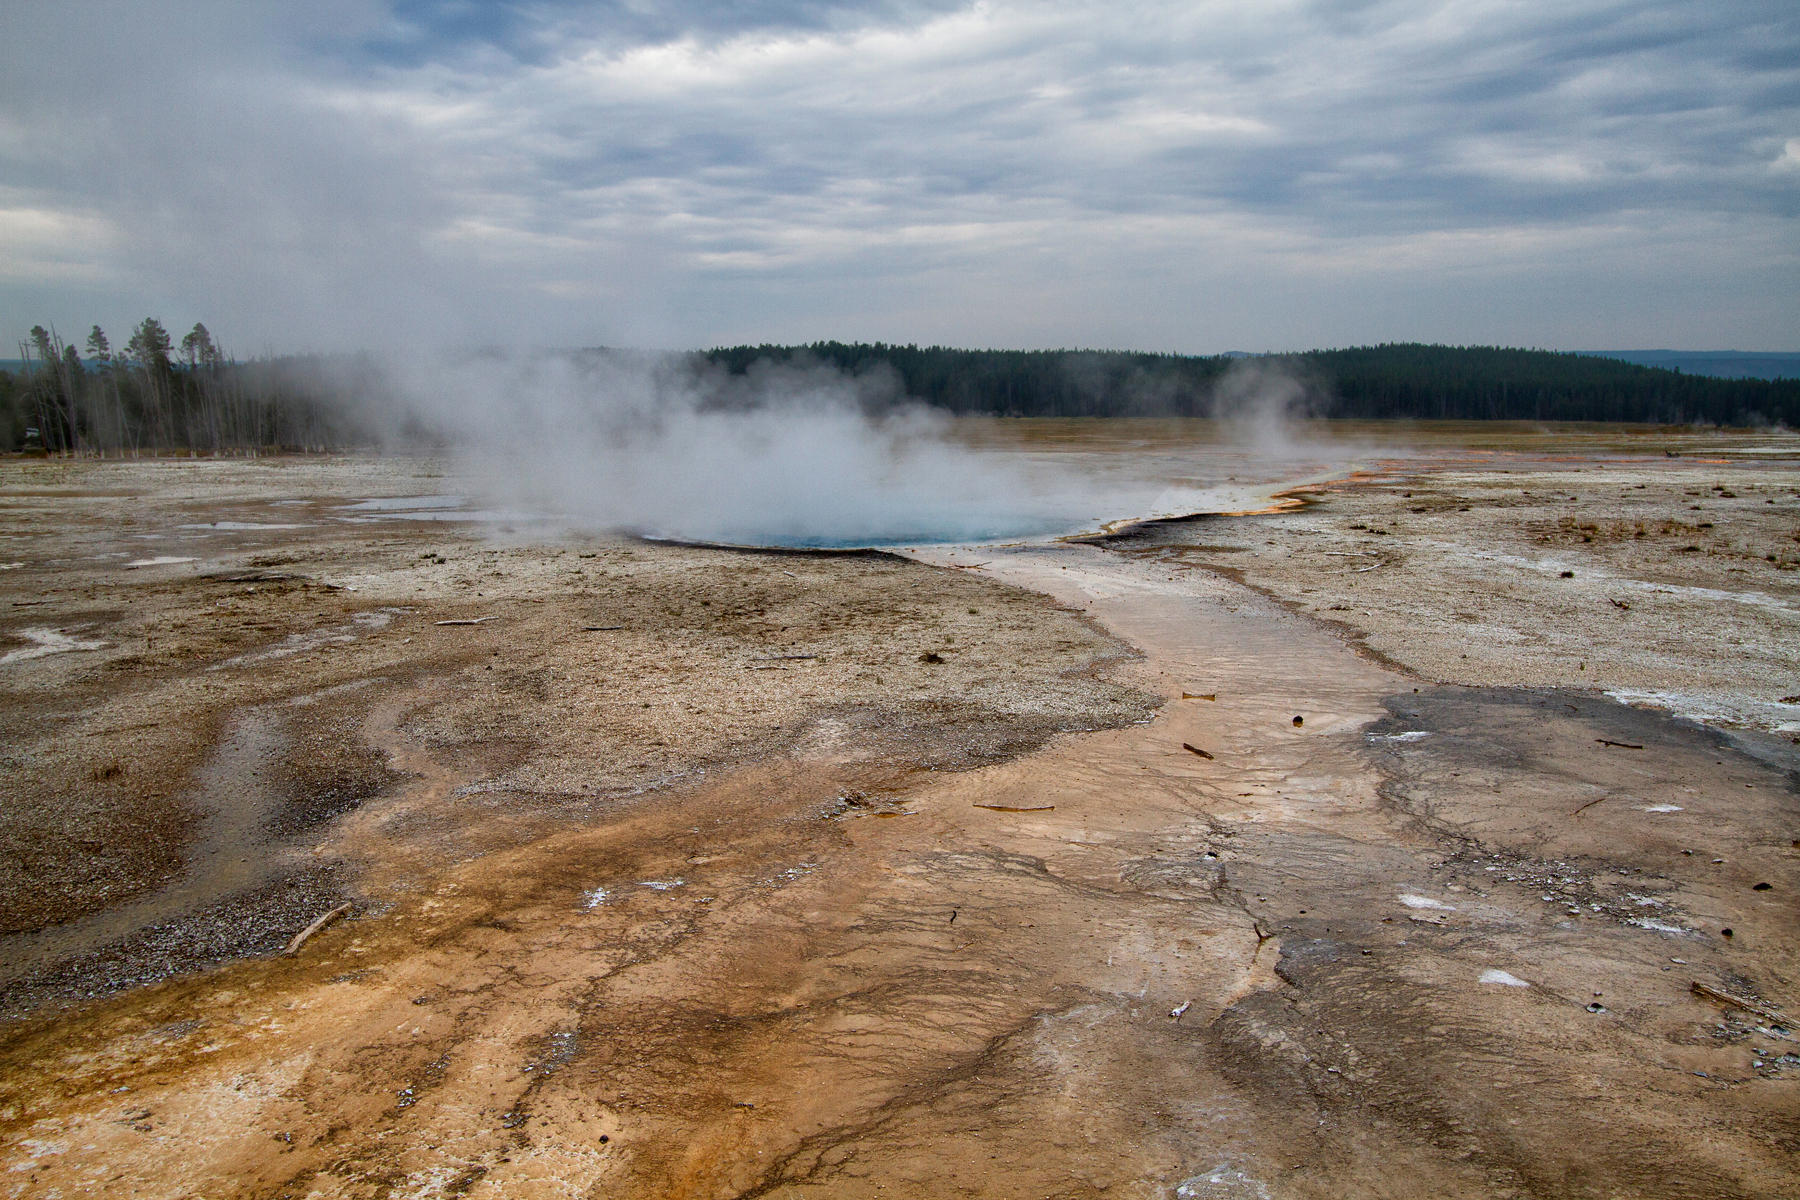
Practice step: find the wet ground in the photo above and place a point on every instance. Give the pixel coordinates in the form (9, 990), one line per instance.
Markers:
(1315, 907)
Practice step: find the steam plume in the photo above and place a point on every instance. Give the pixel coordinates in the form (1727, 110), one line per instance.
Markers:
(790, 453)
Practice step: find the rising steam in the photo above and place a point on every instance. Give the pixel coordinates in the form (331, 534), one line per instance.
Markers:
(797, 454)
(1259, 407)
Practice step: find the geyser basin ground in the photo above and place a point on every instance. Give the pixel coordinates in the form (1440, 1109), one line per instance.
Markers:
(693, 873)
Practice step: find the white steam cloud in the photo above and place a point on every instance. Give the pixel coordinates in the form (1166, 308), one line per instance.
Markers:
(1259, 408)
(787, 454)
(796, 454)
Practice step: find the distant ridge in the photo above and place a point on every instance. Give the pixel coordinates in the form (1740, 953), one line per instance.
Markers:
(1720, 364)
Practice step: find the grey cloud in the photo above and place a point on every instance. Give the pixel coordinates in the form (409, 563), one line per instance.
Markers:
(690, 172)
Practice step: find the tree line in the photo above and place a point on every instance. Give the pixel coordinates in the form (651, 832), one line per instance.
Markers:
(154, 395)
(1389, 381)
(157, 395)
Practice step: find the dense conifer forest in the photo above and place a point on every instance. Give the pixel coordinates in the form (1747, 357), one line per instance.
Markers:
(1402, 380)
(154, 395)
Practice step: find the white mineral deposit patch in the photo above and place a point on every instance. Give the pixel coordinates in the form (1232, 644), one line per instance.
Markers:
(1714, 708)
(1223, 1182)
(1504, 978)
(46, 641)
(403, 503)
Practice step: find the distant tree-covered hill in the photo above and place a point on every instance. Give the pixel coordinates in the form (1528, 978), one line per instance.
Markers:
(1726, 364)
(1400, 380)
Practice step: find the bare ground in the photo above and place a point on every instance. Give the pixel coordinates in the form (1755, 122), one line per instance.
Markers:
(788, 885)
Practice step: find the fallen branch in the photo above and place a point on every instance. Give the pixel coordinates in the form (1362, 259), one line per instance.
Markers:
(1199, 696)
(1193, 749)
(305, 935)
(1589, 805)
(600, 628)
(464, 621)
(1749, 1006)
(1011, 808)
(1620, 745)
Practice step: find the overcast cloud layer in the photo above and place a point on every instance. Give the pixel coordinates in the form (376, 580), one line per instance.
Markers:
(1182, 176)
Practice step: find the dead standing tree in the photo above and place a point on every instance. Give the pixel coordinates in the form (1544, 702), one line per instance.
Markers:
(201, 357)
(107, 412)
(54, 380)
(148, 353)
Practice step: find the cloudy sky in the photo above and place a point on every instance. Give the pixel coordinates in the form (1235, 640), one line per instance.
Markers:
(1190, 176)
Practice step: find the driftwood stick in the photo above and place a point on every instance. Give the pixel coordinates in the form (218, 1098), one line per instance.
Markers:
(305, 935)
(1749, 1006)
